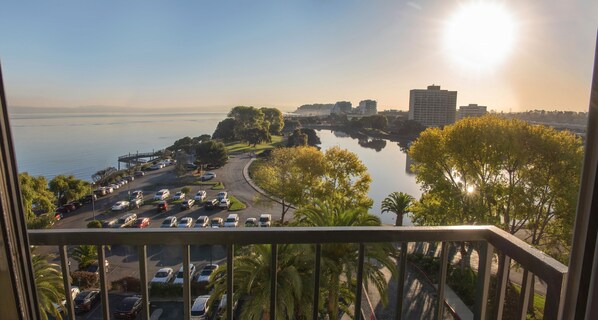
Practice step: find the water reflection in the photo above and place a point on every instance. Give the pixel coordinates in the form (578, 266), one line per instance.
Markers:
(376, 144)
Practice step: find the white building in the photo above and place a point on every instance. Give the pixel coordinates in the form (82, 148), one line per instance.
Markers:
(433, 107)
(368, 107)
(471, 110)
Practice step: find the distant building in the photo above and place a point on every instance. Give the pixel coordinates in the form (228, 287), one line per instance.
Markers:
(342, 107)
(433, 107)
(472, 110)
(368, 107)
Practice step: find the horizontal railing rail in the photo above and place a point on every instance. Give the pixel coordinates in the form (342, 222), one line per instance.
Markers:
(533, 261)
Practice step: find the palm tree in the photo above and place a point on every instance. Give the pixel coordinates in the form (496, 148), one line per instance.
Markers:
(338, 260)
(85, 255)
(252, 281)
(398, 203)
(48, 284)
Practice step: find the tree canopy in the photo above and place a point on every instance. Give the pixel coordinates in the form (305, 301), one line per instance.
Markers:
(275, 120)
(250, 124)
(38, 201)
(69, 188)
(509, 173)
(211, 152)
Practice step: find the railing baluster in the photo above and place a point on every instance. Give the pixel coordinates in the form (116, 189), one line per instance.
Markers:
(273, 279)
(186, 283)
(103, 282)
(501, 290)
(526, 284)
(142, 254)
(359, 289)
(64, 263)
(442, 280)
(402, 265)
(317, 282)
(484, 270)
(229, 281)
(554, 305)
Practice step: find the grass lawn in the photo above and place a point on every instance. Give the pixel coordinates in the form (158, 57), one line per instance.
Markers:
(237, 146)
(204, 183)
(539, 301)
(218, 186)
(235, 204)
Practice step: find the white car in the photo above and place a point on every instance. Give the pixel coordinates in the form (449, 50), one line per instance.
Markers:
(251, 222)
(222, 195)
(202, 222)
(115, 186)
(162, 194)
(120, 206)
(200, 308)
(169, 222)
(163, 275)
(200, 196)
(224, 204)
(208, 176)
(108, 189)
(206, 272)
(180, 276)
(179, 196)
(232, 221)
(186, 222)
(265, 220)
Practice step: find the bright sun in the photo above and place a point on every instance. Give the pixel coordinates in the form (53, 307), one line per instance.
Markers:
(480, 35)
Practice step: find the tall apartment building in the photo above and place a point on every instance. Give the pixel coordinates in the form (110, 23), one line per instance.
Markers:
(432, 107)
(342, 107)
(368, 107)
(471, 110)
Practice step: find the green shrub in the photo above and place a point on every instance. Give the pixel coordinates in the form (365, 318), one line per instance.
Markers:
(84, 279)
(463, 282)
(94, 224)
(165, 290)
(218, 186)
(186, 190)
(235, 204)
(127, 284)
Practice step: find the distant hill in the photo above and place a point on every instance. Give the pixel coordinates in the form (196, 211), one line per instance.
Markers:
(315, 109)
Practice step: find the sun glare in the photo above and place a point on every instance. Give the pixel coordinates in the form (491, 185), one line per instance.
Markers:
(480, 35)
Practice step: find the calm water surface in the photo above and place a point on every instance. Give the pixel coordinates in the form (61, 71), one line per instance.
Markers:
(82, 144)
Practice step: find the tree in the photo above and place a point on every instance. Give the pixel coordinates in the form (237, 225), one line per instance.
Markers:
(297, 139)
(509, 173)
(203, 138)
(185, 144)
(182, 158)
(37, 199)
(338, 260)
(69, 188)
(274, 117)
(291, 175)
(247, 118)
(255, 136)
(85, 255)
(397, 203)
(103, 175)
(48, 285)
(225, 130)
(94, 224)
(252, 281)
(212, 153)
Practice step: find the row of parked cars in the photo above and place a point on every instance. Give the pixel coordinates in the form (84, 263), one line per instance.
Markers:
(221, 201)
(231, 221)
(108, 189)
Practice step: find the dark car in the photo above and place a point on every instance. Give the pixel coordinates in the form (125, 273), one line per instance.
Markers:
(212, 204)
(162, 206)
(66, 208)
(128, 308)
(85, 300)
(76, 204)
(187, 204)
(88, 198)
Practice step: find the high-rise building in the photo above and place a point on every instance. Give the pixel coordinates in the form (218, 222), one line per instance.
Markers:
(368, 107)
(472, 110)
(432, 107)
(342, 107)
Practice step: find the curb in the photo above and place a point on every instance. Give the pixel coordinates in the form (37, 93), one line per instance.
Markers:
(256, 187)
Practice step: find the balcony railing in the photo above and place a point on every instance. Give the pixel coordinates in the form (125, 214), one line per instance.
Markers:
(489, 238)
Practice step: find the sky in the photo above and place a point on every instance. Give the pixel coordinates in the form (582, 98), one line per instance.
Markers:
(213, 55)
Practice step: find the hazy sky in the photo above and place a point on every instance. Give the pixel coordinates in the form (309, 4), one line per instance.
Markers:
(179, 54)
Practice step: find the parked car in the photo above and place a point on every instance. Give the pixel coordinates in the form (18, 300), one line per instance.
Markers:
(114, 186)
(137, 194)
(179, 195)
(120, 206)
(155, 167)
(162, 206)
(204, 274)
(76, 204)
(187, 204)
(63, 209)
(139, 173)
(216, 223)
(251, 222)
(191, 166)
(200, 196)
(109, 189)
(135, 203)
(95, 268)
(180, 276)
(108, 223)
(169, 222)
(162, 194)
(58, 216)
(163, 275)
(125, 221)
(208, 176)
(202, 222)
(101, 191)
(141, 223)
(222, 195)
(185, 222)
(265, 220)
(129, 178)
(222, 306)
(85, 300)
(200, 308)
(128, 308)
(232, 221)
(211, 204)
(89, 198)
(224, 204)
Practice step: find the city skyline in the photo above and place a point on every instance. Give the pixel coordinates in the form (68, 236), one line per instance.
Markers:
(213, 56)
